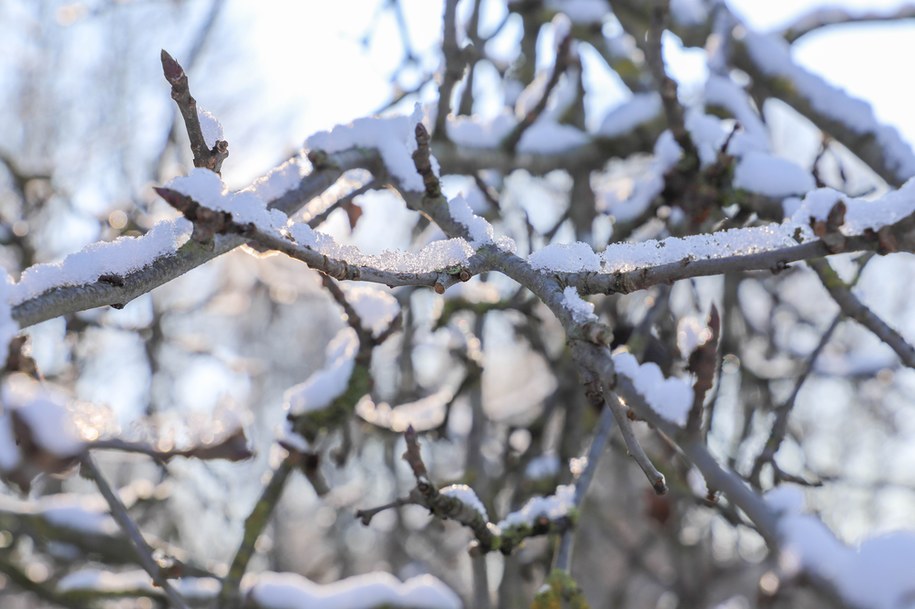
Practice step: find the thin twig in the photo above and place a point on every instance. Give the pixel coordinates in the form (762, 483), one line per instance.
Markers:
(255, 524)
(780, 425)
(601, 435)
(563, 52)
(143, 550)
(832, 16)
(454, 69)
(233, 447)
(203, 156)
(656, 478)
(860, 312)
(667, 86)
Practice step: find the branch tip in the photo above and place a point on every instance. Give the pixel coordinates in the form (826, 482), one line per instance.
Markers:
(170, 67)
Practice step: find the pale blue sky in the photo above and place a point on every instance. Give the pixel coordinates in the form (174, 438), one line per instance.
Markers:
(313, 67)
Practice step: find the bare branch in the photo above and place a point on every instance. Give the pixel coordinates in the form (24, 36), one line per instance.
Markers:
(857, 310)
(204, 156)
(143, 550)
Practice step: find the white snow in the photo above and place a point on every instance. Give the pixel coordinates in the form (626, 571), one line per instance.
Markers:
(549, 137)
(772, 54)
(467, 496)
(435, 256)
(328, 383)
(423, 414)
(98, 580)
(291, 591)
(582, 311)
(281, 179)
(726, 93)
(118, 257)
(861, 213)
(877, 574)
(569, 257)
(542, 466)
(374, 305)
(207, 188)
(669, 397)
(772, 176)
(552, 507)
(87, 514)
(393, 137)
(562, 27)
(691, 332)
(624, 257)
(211, 128)
(666, 154)
(641, 108)
(45, 414)
(475, 132)
(479, 229)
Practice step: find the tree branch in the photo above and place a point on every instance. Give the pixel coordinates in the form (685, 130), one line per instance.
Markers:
(204, 156)
(857, 310)
(143, 550)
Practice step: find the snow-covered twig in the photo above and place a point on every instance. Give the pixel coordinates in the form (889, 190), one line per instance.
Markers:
(850, 121)
(826, 17)
(65, 295)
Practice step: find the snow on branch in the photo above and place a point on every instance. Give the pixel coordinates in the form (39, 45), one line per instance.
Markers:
(328, 383)
(371, 591)
(884, 224)
(37, 434)
(767, 58)
(877, 574)
(669, 397)
(392, 137)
